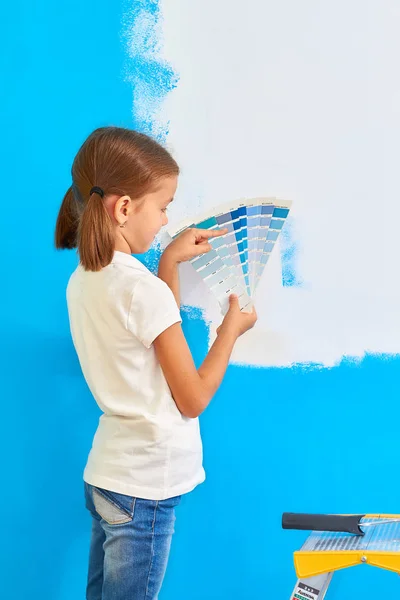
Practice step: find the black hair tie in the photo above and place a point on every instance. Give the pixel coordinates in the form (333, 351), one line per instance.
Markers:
(97, 190)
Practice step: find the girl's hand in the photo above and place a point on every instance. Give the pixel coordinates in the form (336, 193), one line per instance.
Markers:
(191, 243)
(236, 321)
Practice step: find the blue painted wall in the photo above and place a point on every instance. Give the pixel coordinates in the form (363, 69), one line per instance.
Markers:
(275, 439)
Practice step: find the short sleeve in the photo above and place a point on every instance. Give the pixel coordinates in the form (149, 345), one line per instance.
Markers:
(153, 309)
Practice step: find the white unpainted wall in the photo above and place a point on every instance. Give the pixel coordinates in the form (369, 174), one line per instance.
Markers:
(300, 100)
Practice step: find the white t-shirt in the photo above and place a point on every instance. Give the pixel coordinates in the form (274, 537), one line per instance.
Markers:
(143, 447)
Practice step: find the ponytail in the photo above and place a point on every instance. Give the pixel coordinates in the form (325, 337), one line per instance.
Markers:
(112, 161)
(96, 236)
(67, 223)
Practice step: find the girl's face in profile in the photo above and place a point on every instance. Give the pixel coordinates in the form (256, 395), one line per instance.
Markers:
(144, 217)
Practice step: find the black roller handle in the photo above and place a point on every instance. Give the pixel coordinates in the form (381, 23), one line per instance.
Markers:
(310, 522)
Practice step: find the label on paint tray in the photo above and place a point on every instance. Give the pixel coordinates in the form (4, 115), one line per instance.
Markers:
(305, 592)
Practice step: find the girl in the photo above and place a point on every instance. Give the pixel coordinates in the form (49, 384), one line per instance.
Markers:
(125, 326)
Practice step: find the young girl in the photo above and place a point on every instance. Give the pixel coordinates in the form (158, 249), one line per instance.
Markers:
(125, 325)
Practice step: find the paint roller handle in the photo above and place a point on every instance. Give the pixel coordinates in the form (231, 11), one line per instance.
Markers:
(319, 522)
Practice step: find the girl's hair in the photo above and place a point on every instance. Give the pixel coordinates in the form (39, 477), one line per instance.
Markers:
(120, 161)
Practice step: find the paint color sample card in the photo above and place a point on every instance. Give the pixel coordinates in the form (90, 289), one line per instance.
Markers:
(232, 247)
(217, 272)
(238, 257)
(273, 223)
(259, 211)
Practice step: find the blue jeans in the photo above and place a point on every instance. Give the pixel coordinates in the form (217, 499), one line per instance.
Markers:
(129, 549)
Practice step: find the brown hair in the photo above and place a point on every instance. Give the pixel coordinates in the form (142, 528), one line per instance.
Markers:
(120, 161)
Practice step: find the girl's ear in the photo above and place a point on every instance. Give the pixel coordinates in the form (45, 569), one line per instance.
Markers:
(122, 209)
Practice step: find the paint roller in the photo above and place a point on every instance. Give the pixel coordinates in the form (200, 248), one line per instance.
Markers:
(323, 522)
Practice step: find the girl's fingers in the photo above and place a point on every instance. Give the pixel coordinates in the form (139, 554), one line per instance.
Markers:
(210, 233)
(203, 247)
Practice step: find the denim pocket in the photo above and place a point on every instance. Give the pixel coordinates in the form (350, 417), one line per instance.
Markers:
(114, 508)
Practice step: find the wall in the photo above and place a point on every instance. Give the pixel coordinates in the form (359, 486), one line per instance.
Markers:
(294, 99)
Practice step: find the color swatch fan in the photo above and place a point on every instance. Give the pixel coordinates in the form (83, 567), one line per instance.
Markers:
(238, 258)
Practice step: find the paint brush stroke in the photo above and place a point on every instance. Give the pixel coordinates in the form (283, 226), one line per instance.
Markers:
(150, 75)
(151, 258)
(151, 78)
(289, 255)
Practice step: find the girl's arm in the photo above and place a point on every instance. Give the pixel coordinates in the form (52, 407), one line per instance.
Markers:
(193, 389)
